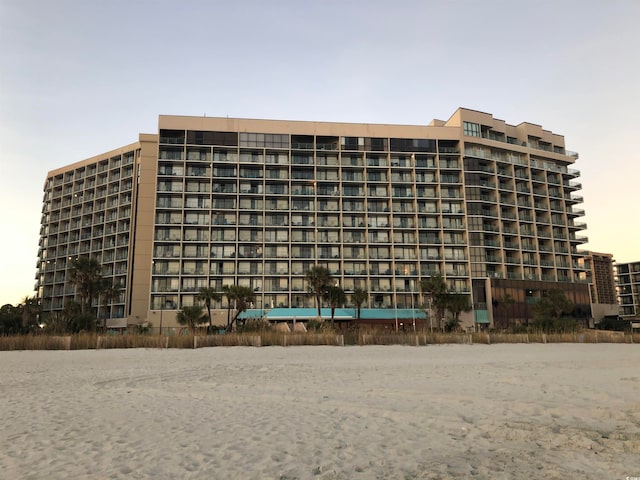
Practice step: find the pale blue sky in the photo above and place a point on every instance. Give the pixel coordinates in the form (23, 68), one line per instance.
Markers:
(80, 77)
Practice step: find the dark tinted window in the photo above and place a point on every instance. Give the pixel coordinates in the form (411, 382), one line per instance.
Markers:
(197, 137)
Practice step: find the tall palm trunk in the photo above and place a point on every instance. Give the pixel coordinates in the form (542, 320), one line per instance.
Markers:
(208, 305)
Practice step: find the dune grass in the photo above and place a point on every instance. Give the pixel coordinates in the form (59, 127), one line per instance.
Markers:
(87, 341)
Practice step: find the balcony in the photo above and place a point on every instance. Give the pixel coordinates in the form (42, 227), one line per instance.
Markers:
(491, 243)
(450, 150)
(578, 226)
(579, 239)
(303, 146)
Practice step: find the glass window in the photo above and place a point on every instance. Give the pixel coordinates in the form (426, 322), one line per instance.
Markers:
(253, 157)
(352, 143)
(264, 140)
(430, 253)
(282, 158)
(171, 136)
(199, 154)
(225, 156)
(471, 129)
(195, 137)
(451, 207)
(454, 253)
(412, 145)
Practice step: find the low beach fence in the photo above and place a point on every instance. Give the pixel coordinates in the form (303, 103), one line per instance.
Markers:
(87, 341)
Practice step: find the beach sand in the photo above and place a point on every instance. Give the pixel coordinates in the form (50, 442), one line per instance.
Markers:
(561, 411)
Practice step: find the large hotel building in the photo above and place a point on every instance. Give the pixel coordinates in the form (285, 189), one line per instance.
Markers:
(226, 201)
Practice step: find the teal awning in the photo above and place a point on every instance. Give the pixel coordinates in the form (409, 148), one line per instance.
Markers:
(251, 314)
(390, 314)
(290, 314)
(481, 316)
(280, 314)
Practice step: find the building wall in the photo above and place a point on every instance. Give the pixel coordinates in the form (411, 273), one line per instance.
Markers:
(629, 289)
(599, 274)
(143, 231)
(87, 211)
(601, 310)
(514, 300)
(223, 201)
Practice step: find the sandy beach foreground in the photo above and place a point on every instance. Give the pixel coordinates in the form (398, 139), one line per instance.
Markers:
(562, 411)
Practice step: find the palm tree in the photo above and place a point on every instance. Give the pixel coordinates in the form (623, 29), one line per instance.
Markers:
(358, 297)
(10, 319)
(190, 316)
(229, 292)
(109, 293)
(435, 288)
(85, 274)
(208, 294)
(76, 320)
(30, 310)
(456, 303)
(318, 280)
(336, 297)
(242, 296)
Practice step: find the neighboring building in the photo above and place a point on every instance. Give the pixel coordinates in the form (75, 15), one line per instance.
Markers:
(599, 274)
(629, 289)
(222, 201)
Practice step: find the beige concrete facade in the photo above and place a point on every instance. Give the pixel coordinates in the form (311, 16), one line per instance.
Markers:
(221, 201)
